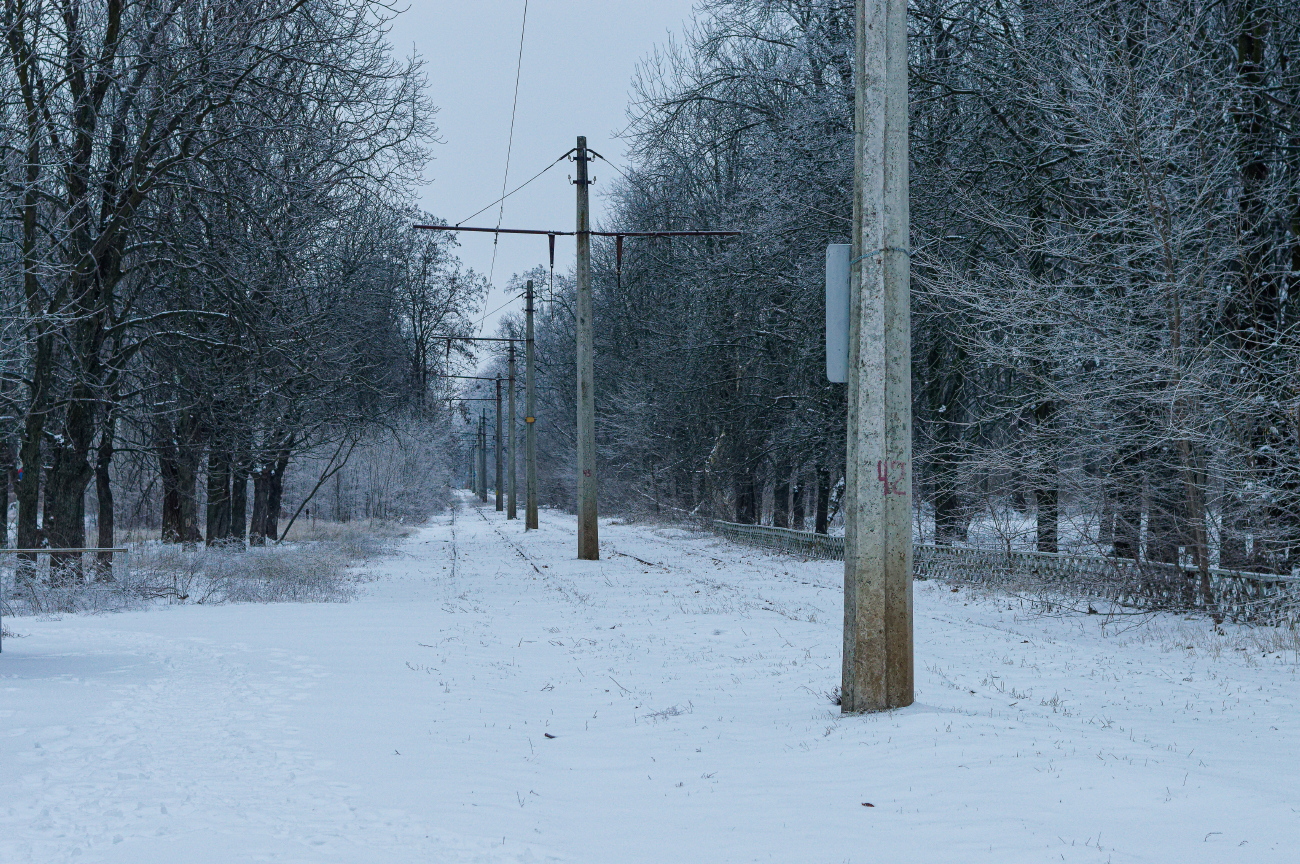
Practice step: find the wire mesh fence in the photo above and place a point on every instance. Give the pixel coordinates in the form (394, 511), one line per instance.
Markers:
(1245, 597)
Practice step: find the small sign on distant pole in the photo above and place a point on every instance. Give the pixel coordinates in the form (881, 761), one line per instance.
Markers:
(837, 312)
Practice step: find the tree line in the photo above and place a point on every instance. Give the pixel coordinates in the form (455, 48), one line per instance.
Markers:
(1105, 202)
(209, 264)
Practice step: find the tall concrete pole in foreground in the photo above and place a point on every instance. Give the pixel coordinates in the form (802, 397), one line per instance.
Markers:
(588, 538)
(511, 513)
(878, 488)
(530, 419)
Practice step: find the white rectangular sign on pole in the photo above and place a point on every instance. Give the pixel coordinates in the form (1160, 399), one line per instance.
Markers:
(837, 312)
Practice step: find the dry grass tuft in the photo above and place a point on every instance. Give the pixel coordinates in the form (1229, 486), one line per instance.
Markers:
(315, 564)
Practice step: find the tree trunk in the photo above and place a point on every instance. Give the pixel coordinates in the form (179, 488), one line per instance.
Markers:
(1128, 519)
(104, 499)
(171, 499)
(946, 374)
(239, 498)
(1047, 500)
(7, 460)
(821, 526)
(781, 495)
(69, 475)
(1047, 488)
(1232, 534)
(31, 468)
(337, 496)
(180, 452)
(219, 509)
(188, 485)
(257, 525)
(1106, 527)
(746, 498)
(1257, 308)
(949, 524)
(1165, 516)
(797, 501)
(274, 493)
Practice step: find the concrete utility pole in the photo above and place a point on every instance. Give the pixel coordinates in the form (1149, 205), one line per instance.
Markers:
(510, 444)
(588, 531)
(482, 456)
(878, 660)
(500, 505)
(588, 536)
(530, 436)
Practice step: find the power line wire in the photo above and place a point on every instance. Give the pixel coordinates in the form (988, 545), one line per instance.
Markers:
(499, 308)
(510, 146)
(513, 191)
(773, 193)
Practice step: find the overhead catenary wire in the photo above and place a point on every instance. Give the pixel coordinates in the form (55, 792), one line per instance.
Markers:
(510, 145)
(498, 309)
(513, 191)
(799, 204)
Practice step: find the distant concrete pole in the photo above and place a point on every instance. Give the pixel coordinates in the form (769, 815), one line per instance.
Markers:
(530, 418)
(482, 456)
(877, 672)
(588, 536)
(511, 513)
(500, 505)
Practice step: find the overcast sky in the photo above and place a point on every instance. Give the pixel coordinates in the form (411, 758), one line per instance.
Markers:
(578, 60)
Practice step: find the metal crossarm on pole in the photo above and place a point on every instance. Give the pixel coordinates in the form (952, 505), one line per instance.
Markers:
(475, 339)
(541, 232)
(491, 230)
(582, 233)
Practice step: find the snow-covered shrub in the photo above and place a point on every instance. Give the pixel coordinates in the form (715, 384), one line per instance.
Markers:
(314, 574)
(361, 539)
(313, 566)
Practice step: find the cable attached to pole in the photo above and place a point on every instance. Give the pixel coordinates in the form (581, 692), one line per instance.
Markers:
(513, 191)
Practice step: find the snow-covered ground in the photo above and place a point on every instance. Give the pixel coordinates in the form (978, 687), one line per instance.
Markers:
(491, 699)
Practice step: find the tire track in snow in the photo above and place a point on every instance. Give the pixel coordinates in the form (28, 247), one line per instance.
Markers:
(522, 554)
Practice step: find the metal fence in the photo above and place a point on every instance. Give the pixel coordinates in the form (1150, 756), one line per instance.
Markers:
(89, 559)
(28, 578)
(1239, 596)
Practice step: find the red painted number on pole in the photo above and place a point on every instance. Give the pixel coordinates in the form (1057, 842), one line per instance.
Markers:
(893, 475)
